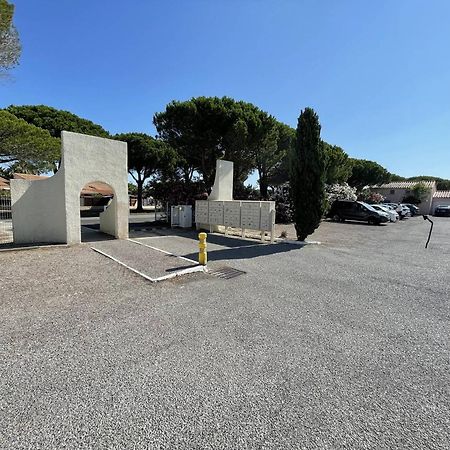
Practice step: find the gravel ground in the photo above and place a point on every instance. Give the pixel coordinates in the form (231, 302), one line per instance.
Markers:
(340, 345)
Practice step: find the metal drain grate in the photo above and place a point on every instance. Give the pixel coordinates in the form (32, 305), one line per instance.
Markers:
(226, 272)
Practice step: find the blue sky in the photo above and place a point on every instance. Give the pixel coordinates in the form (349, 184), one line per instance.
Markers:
(377, 72)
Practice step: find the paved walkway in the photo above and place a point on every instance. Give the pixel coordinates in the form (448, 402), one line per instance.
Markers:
(146, 260)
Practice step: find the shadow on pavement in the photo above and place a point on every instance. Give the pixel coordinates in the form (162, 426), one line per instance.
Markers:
(355, 222)
(248, 251)
(93, 235)
(227, 241)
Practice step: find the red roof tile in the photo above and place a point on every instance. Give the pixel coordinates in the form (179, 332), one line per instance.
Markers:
(405, 184)
(4, 183)
(95, 188)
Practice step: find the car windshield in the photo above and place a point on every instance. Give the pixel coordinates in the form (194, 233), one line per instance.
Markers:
(369, 207)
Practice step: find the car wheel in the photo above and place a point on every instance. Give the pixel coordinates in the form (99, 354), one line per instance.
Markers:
(336, 218)
(372, 221)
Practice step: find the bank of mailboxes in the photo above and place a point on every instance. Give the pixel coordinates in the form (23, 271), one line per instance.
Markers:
(232, 214)
(181, 216)
(215, 216)
(201, 211)
(252, 215)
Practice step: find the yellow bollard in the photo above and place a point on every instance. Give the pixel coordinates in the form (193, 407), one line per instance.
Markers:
(202, 253)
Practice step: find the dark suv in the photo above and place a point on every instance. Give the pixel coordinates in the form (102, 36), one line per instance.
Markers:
(346, 209)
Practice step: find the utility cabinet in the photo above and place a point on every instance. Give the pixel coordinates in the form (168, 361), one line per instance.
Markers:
(181, 216)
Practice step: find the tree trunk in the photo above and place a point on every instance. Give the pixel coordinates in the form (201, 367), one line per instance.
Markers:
(263, 186)
(301, 236)
(140, 184)
(263, 189)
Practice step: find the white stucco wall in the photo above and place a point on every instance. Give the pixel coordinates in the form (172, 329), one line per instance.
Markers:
(426, 206)
(38, 210)
(400, 193)
(49, 210)
(222, 189)
(223, 182)
(438, 202)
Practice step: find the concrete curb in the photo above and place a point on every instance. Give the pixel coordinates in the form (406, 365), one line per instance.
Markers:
(34, 247)
(300, 243)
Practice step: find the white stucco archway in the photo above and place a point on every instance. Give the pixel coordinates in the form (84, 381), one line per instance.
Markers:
(49, 210)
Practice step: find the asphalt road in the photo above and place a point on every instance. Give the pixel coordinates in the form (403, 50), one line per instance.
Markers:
(132, 218)
(343, 345)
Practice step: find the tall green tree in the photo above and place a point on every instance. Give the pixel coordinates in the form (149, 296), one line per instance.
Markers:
(367, 173)
(339, 167)
(271, 152)
(195, 129)
(56, 120)
(441, 183)
(395, 177)
(205, 129)
(10, 47)
(267, 156)
(307, 176)
(236, 138)
(26, 145)
(147, 157)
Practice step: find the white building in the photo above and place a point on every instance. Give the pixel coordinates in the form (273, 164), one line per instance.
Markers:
(396, 191)
(441, 198)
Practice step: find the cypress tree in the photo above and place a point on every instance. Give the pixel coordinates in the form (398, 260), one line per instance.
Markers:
(307, 175)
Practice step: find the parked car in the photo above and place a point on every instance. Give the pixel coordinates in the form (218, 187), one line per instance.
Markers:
(442, 210)
(349, 210)
(402, 210)
(388, 206)
(413, 208)
(406, 210)
(393, 215)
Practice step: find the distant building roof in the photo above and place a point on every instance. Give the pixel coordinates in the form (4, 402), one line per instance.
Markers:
(405, 184)
(441, 194)
(4, 184)
(95, 188)
(28, 176)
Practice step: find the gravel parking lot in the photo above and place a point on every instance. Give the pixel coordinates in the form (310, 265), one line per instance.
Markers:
(339, 345)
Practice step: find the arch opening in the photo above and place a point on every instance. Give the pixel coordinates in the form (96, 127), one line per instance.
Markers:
(98, 212)
(48, 210)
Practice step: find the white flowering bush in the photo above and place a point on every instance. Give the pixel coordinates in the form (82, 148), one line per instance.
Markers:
(282, 198)
(366, 195)
(339, 192)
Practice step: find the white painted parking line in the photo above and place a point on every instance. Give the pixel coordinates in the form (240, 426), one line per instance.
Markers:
(187, 270)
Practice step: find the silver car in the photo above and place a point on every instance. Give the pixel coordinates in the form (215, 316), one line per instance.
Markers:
(393, 215)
